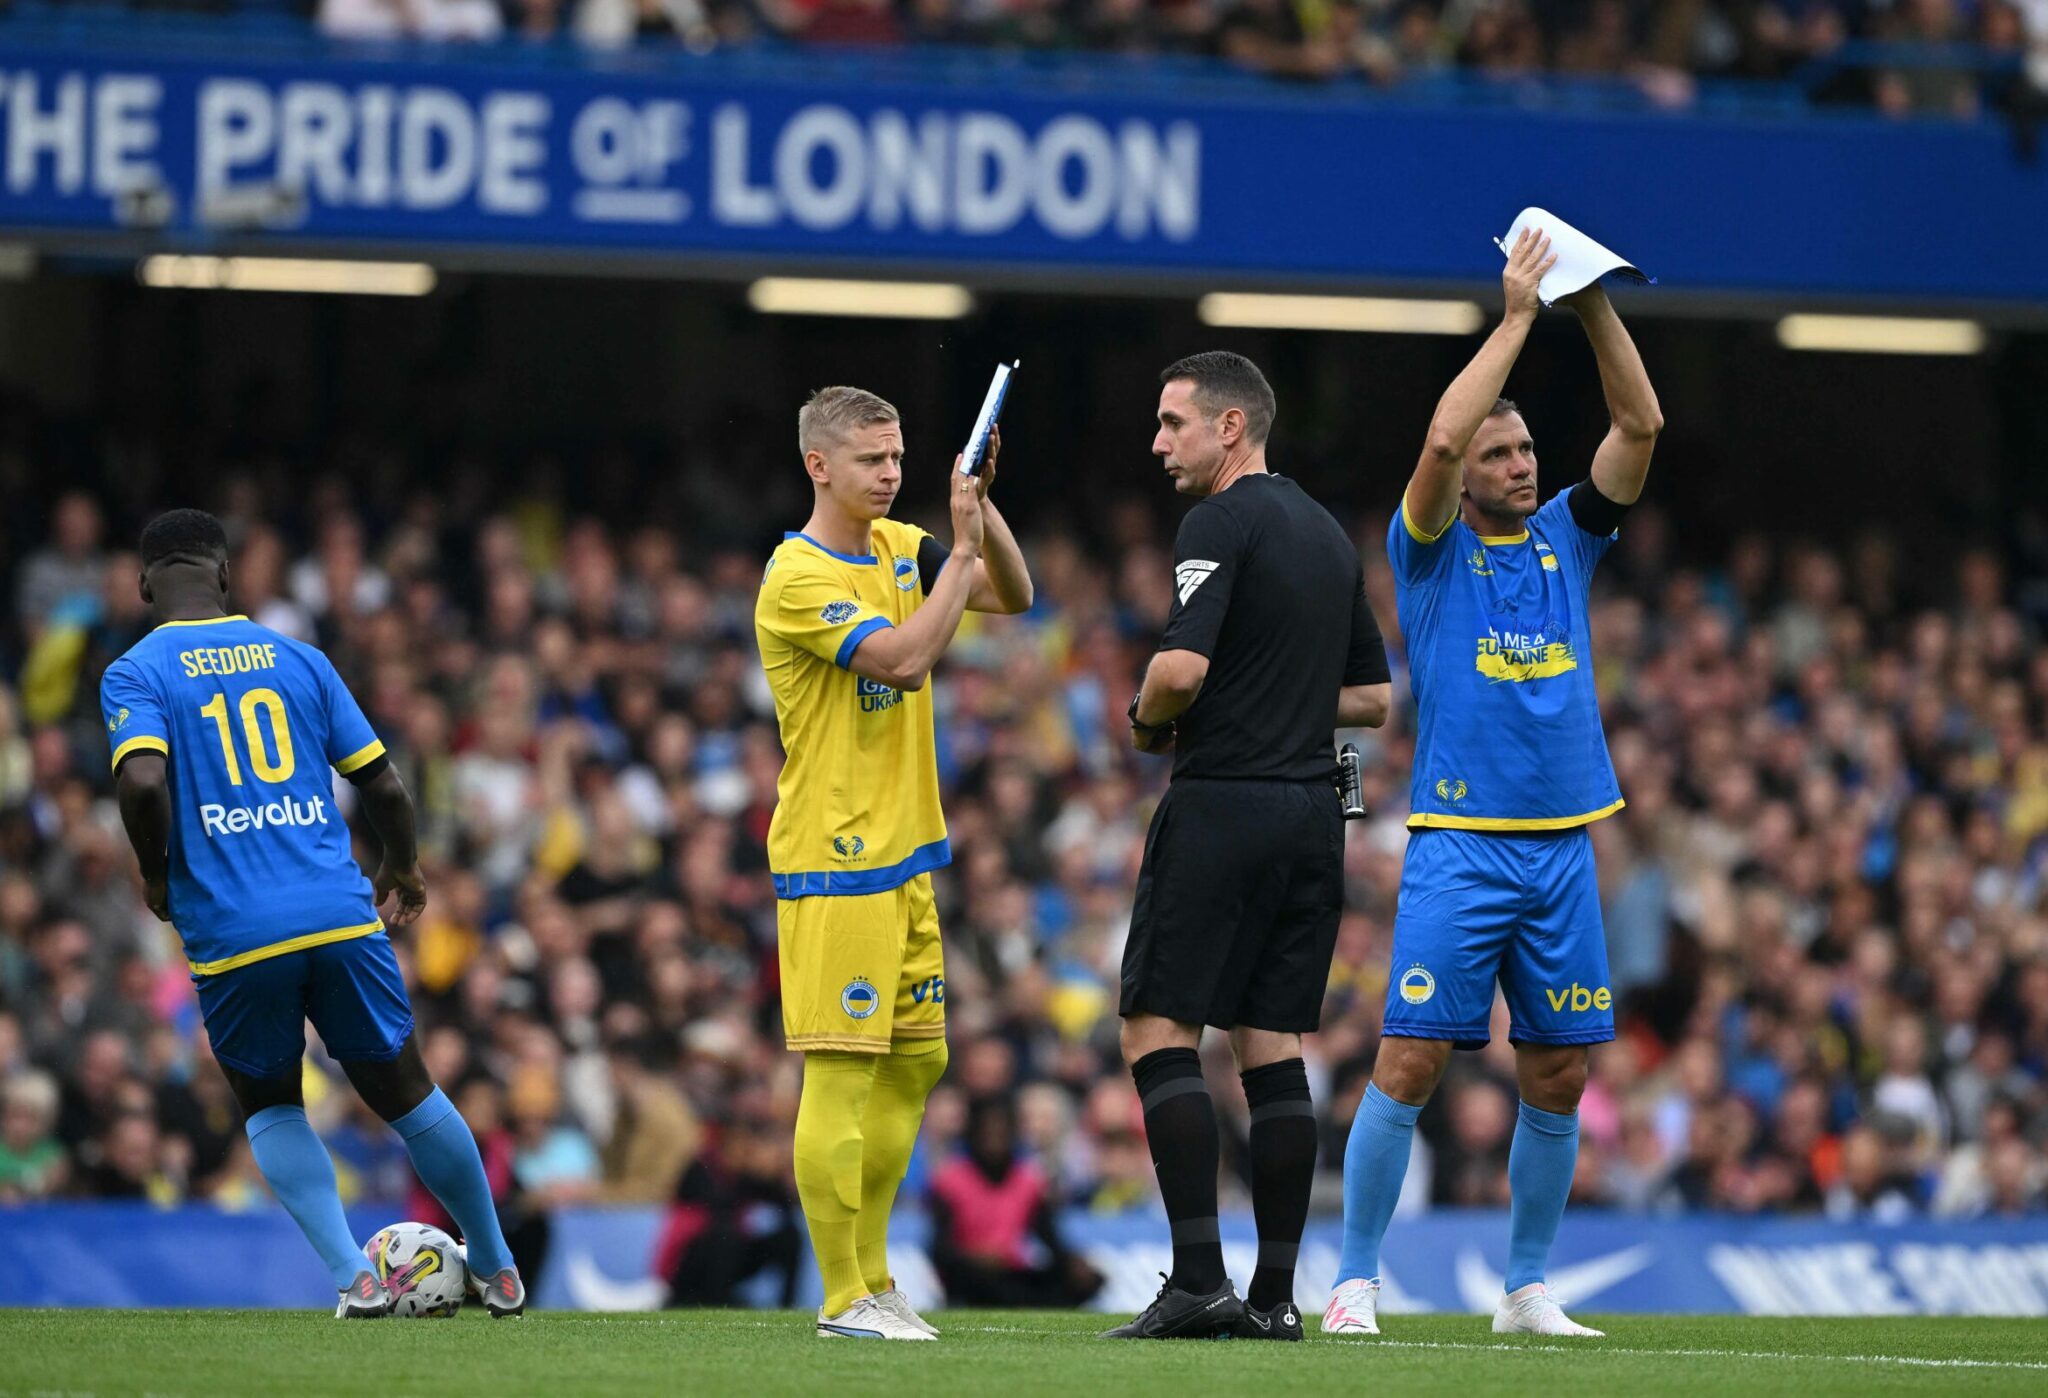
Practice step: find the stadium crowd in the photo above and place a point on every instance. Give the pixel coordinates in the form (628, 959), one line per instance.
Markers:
(1951, 57)
(1824, 898)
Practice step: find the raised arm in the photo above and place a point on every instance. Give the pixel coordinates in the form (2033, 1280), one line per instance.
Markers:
(1432, 497)
(1002, 582)
(142, 789)
(1623, 459)
(902, 656)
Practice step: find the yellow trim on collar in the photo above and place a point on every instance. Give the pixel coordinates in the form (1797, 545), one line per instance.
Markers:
(145, 743)
(202, 621)
(1425, 820)
(1497, 539)
(285, 948)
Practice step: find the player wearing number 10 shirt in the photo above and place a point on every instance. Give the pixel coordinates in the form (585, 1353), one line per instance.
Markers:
(226, 737)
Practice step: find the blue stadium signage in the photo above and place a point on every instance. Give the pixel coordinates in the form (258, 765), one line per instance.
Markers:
(713, 159)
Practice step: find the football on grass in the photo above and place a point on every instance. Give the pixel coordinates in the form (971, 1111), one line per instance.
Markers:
(422, 1266)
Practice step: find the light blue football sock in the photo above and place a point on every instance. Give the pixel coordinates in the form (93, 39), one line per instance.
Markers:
(1375, 1163)
(1540, 1165)
(302, 1177)
(444, 1153)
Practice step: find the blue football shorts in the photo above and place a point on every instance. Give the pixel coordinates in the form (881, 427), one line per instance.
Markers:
(1520, 908)
(353, 992)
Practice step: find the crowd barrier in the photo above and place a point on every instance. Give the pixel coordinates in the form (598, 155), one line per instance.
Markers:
(126, 1255)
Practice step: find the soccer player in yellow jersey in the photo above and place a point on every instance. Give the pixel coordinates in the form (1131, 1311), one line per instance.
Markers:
(853, 613)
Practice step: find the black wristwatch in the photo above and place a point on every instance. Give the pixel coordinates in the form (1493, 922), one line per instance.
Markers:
(1132, 712)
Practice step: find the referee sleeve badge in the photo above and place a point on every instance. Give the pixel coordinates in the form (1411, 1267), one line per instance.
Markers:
(1190, 575)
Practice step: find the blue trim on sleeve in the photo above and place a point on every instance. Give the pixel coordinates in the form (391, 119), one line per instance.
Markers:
(842, 557)
(843, 883)
(854, 637)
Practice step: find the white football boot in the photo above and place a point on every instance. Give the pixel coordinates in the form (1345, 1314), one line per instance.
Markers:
(1534, 1311)
(1354, 1308)
(867, 1319)
(897, 1304)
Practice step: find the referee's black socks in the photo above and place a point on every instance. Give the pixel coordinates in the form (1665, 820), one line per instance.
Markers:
(1283, 1151)
(1180, 1127)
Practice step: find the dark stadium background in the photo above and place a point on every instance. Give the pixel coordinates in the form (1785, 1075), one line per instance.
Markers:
(625, 385)
(553, 481)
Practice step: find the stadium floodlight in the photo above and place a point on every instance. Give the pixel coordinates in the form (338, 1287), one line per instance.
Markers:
(1880, 334)
(818, 296)
(1248, 310)
(198, 272)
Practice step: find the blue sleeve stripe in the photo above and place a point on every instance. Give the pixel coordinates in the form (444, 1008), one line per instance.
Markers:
(855, 637)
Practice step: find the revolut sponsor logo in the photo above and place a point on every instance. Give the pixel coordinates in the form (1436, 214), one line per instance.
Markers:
(239, 820)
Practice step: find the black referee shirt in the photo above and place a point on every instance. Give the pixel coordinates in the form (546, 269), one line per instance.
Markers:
(1269, 587)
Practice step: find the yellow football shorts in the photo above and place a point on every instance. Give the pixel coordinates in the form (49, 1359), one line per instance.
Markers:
(861, 970)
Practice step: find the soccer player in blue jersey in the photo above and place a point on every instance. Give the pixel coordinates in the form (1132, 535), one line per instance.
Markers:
(224, 733)
(1511, 766)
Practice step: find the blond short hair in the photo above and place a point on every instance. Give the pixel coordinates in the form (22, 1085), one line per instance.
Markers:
(832, 413)
(33, 1092)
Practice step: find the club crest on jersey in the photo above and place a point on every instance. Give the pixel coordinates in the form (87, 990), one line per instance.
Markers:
(860, 999)
(114, 723)
(837, 612)
(1476, 561)
(1417, 985)
(848, 846)
(1192, 574)
(906, 572)
(1450, 789)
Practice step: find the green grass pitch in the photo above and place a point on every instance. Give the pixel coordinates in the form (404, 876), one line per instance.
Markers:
(751, 1354)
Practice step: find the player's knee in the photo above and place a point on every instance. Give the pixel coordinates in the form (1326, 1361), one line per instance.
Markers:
(394, 1088)
(1407, 1069)
(1143, 1034)
(1555, 1081)
(253, 1094)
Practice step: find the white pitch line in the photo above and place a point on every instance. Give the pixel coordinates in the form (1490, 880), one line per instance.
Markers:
(1594, 1347)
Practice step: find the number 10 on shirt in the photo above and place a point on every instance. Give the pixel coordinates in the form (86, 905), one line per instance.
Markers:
(269, 703)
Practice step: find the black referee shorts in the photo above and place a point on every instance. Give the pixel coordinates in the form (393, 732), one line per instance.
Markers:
(1238, 901)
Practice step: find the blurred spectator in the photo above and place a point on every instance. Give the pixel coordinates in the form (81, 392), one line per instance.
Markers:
(736, 1218)
(1267, 36)
(1942, 59)
(654, 1136)
(1824, 897)
(32, 1160)
(553, 1161)
(66, 571)
(995, 1241)
(128, 1165)
(440, 20)
(1929, 87)
(618, 23)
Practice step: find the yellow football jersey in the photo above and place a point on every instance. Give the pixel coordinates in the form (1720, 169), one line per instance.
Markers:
(857, 807)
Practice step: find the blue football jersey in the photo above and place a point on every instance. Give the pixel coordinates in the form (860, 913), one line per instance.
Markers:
(1500, 656)
(252, 724)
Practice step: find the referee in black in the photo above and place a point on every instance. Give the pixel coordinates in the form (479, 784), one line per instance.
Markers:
(1270, 647)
